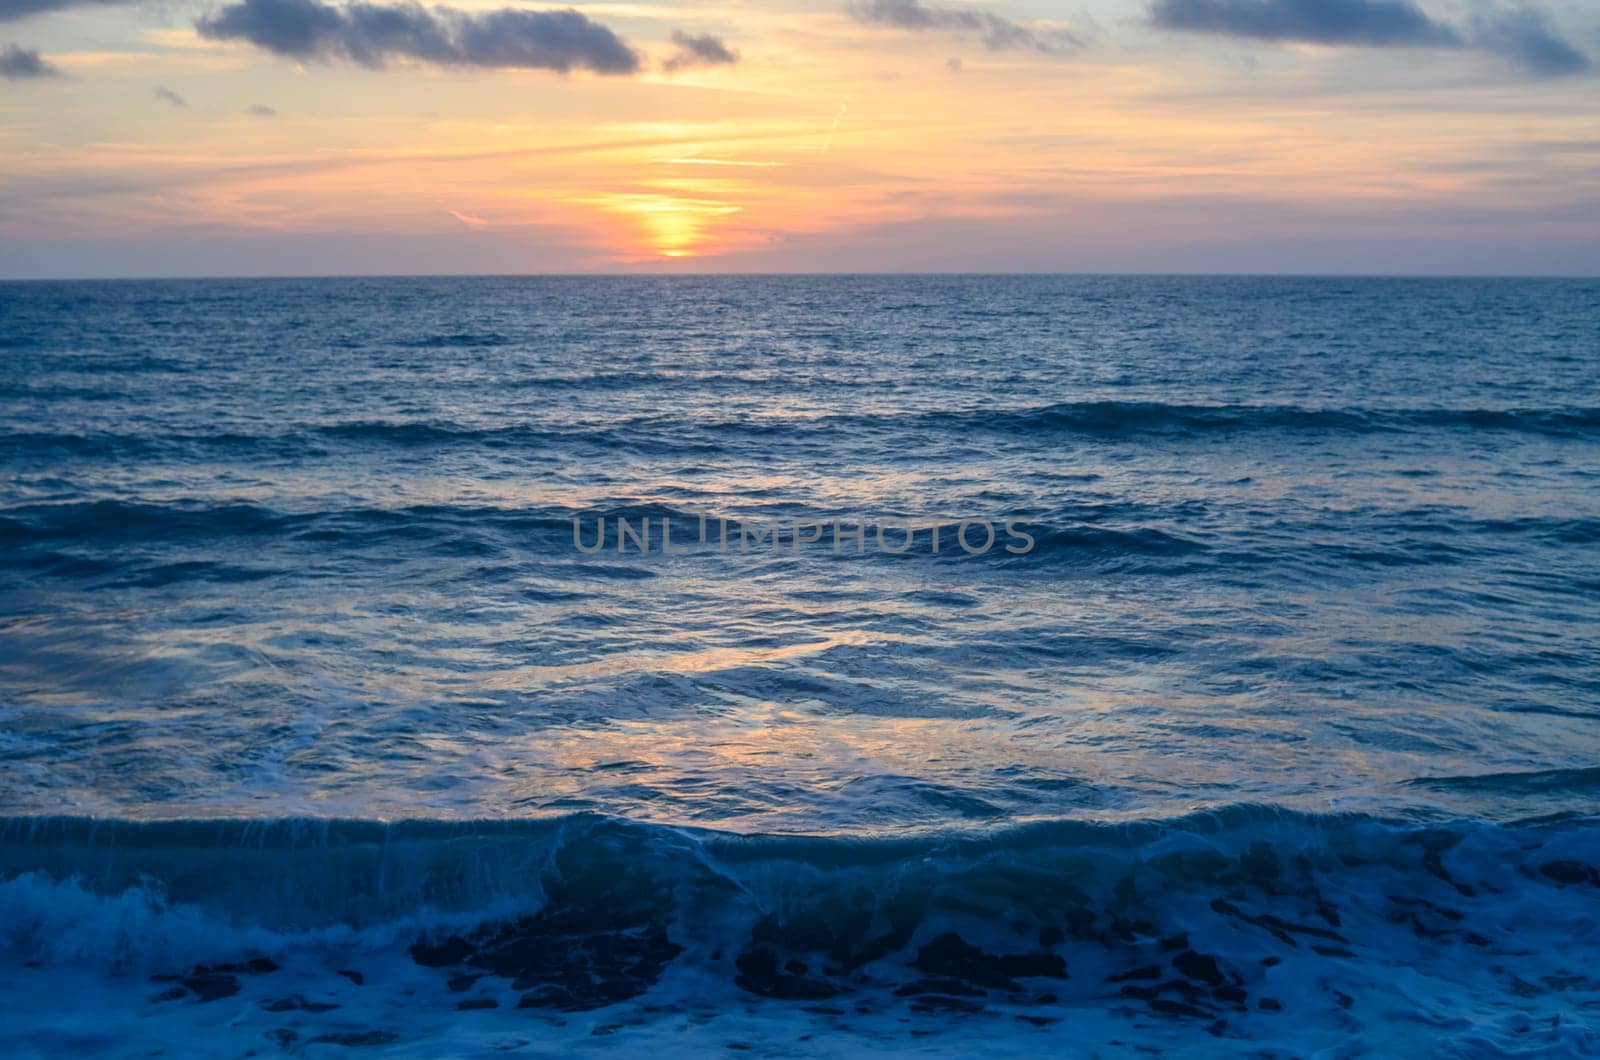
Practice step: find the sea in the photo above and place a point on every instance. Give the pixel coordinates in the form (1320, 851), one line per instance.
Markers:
(800, 666)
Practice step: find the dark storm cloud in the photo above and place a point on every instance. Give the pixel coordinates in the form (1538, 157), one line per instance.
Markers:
(999, 34)
(1526, 38)
(371, 34)
(21, 64)
(699, 50)
(1376, 23)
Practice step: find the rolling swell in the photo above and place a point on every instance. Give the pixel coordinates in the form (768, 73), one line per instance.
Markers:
(188, 520)
(1114, 419)
(1073, 538)
(1105, 420)
(1172, 538)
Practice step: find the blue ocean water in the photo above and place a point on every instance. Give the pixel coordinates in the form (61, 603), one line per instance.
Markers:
(321, 731)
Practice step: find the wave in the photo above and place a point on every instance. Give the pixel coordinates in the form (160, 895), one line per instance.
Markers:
(1106, 420)
(1192, 912)
(1114, 419)
(420, 432)
(1541, 781)
(1248, 923)
(1123, 536)
(54, 530)
(117, 520)
(120, 521)
(1137, 541)
(457, 340)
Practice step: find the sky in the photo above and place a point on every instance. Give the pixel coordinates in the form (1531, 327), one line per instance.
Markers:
(315, 137)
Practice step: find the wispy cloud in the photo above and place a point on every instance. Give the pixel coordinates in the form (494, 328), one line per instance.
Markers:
(997, 33)
(699, 50)
(467, 219)
(372, 34)
(23, 64)
(170, 96)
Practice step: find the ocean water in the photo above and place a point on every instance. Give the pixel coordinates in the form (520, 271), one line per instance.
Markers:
(1276, 731)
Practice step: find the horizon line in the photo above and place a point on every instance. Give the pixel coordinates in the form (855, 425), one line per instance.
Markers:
(799, 274)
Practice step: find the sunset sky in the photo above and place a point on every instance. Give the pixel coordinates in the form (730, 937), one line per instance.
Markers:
(170, 137)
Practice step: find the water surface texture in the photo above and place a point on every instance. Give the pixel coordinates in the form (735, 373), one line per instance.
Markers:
(1284, 729)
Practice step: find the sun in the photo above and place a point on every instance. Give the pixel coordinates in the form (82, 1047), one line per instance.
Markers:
(669, 226)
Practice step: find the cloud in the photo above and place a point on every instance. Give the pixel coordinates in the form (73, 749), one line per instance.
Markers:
(171, 97)
(1525, 37)
(1376, 23)
(261, 110)
(16, 10)
(467, 219)
(22, 64)
(999, 34)
(371, 34)
(700, 50)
